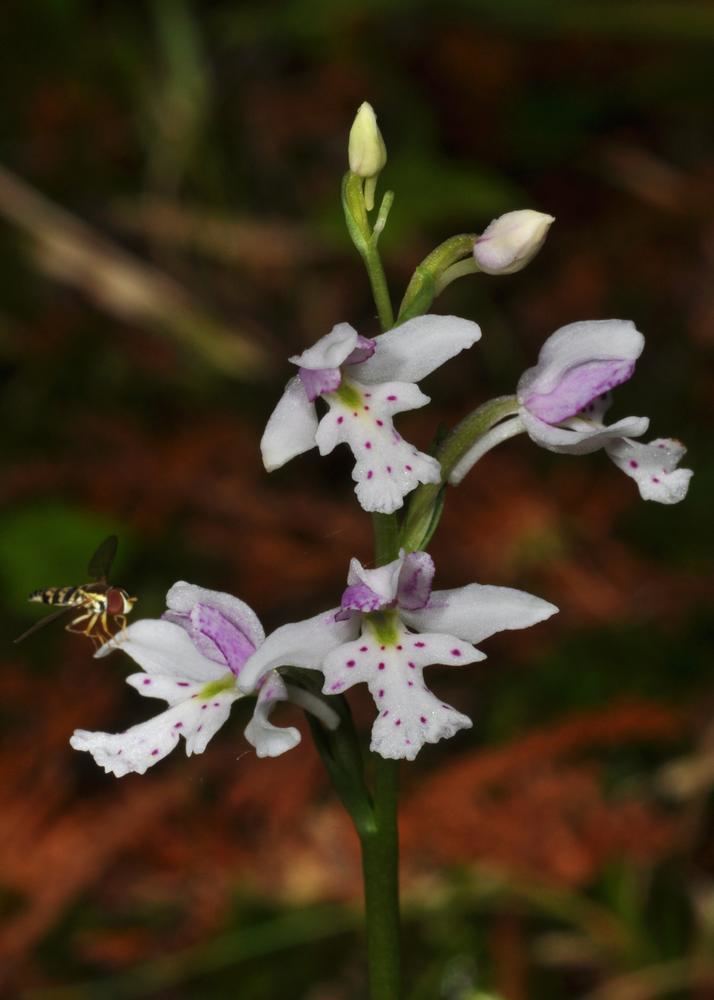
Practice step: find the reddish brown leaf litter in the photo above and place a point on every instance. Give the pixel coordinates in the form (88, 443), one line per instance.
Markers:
(538, 807)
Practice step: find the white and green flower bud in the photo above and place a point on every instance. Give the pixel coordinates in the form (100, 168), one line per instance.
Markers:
(511, 241)
(366, 150)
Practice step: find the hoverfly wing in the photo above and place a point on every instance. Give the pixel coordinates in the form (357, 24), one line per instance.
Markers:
(44, 621)
(101, 562)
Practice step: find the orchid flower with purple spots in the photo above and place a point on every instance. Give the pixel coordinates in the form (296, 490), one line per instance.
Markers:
(395, 625)
(560, 404)
(364, 383)
(192, 658)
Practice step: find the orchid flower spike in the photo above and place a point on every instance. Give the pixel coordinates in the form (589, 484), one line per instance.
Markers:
(191, 658)
(394, 626)
(560, 404)
(364, 383)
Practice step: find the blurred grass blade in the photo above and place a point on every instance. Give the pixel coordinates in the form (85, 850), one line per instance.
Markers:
(123, 285)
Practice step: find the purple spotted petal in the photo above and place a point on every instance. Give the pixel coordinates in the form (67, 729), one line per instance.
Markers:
(360, 597)
(415, 580)
(363, 349)
(577, 388)
(317, 381)
(218, 638)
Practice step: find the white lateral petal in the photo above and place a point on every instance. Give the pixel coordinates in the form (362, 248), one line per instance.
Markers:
(653, 467)
(290, 430)
(330, 351)
(413, 350)
(142, 746)
(578, 344)
(162, 647)
(477, 611)
(182, 597)
(270, 740)
(302, 644)
(580, 437)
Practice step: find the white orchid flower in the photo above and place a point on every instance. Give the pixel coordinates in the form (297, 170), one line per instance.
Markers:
(364, 383)
(192, 658)
(394, 626)
(561, 401)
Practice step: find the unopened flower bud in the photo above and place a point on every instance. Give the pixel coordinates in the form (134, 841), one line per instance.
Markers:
(367, 152)
(511, 241)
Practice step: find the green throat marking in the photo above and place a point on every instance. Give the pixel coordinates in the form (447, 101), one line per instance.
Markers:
(213, 688)
(384, 625)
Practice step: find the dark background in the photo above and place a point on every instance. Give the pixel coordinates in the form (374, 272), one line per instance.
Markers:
(170, 233)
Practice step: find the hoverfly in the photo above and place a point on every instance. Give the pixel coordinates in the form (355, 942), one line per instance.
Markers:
(98, 602)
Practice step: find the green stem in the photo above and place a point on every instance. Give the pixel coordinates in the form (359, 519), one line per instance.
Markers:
(378, 283)
(380, 868)
(424, 510)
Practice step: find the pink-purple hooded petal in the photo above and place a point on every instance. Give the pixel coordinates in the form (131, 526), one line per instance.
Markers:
(577, 389)
(577, 364)
(317, 381)
(415, 580)
(364, 349)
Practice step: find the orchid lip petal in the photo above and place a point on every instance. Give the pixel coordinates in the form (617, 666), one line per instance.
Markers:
(653, 467)
(387, 467)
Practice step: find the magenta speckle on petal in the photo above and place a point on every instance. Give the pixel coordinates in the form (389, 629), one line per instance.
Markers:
(456, 652)
(147, 680)
(336, 686)
(204, 706)
(380, 666)
(410, 684)
(182, 684)
(412, 665)
(216, 704)
(655, 479)
(398, 722)
(355, 413)
(367, 408)
(385, 713)
(391, 399)
(178, 725)
(199, 728)
(381, 692)
(350, 663)
(363, 649)
(420, 645)
(369, 474)
(389, 469)
(368, 395)
(422, 718)
(408, 468)
(634, 464)
(400, 648)
(380, 423)
(340, 420)
(368, 445)
(155, 753)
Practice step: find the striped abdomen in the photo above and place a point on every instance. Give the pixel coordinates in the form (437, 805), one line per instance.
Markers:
(68, 596)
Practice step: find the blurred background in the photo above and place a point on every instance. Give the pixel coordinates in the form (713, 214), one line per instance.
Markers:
(170, 231)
